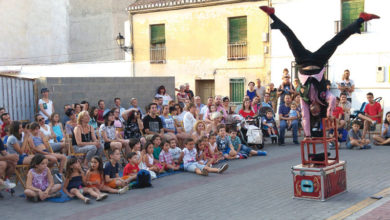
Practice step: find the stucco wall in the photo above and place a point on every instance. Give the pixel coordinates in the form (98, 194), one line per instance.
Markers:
(196, 42)
(33, 31)
(50, 32)
(93, 27)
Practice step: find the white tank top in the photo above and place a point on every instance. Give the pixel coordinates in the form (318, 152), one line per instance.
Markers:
(151, 159)
(47, 132)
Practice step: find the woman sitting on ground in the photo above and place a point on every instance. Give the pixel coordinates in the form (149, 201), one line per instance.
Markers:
(384, 138)
(199, 130)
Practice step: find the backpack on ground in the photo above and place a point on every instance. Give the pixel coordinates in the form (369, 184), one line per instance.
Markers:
(143, 179)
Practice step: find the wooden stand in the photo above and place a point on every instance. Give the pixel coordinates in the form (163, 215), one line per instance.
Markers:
(320, 179)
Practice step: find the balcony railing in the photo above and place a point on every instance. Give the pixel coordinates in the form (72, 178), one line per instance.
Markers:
(157, 53)
(338, 26)
(237, 51)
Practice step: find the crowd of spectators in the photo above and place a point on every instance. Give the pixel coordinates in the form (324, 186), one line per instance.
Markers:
(167, 135)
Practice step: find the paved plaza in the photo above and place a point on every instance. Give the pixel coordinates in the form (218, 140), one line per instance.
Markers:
(256, 188)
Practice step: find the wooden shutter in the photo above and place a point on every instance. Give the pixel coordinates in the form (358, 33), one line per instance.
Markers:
(157, 34)
(237, 30)
(350, 11)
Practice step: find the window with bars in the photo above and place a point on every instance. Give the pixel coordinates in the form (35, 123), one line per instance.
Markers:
(237, 90)
(350, 10)
(237, 45)
(157, 43)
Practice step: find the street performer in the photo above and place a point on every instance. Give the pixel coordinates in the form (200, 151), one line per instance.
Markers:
(316, 101)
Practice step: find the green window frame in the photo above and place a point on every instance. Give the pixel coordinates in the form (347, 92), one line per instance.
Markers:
(157, 34)
(238, 30)
(237, 90)
(350, 10)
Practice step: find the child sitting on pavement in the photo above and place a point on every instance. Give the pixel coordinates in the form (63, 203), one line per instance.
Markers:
(175, 151)
(190, 163)
(214, 149)
(40, 184)
(111, 172)
(244, 150)
(355, 138)
(224, 145)
(204, 155)
(131, 169)
(166, 158)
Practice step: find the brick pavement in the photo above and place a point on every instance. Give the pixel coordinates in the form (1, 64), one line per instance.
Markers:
(256, 188)
(382, 212)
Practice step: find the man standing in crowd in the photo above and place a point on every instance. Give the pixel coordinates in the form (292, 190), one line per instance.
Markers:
(284, 110)
(117, 102)
(372, 110)
(46, 106)
(260, 90)
(189, 92)
(346, 85)
(152, 123)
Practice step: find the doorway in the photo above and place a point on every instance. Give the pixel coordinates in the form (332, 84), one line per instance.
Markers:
(205, 89)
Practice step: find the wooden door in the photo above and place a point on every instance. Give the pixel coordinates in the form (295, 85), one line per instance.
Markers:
(205, 89)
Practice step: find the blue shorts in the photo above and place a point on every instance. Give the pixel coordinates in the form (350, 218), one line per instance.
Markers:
(349, 145)
(21, 158)
(227, 151)
(191, 167)
(245, 149)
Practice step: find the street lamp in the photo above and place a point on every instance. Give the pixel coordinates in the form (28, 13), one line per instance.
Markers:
(120, 40)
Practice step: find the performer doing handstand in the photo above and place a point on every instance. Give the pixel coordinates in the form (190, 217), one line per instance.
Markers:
(316, 101)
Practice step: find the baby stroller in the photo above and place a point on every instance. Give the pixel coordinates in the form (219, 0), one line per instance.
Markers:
(250, 132)
(262, 114)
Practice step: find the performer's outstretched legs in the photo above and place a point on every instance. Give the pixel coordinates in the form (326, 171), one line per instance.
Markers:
(298, 50)
(326, 51)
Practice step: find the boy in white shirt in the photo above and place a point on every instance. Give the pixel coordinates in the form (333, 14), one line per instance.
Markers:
(190, 163)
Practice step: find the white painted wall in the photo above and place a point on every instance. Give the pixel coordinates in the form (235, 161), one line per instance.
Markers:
(92, 69)
(33, 31)
(313, 23)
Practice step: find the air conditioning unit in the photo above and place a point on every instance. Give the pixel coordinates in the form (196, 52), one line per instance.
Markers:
(380, 74)
(265, 37)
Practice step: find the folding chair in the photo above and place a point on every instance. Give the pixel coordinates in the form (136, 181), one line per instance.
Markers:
(71, 152)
